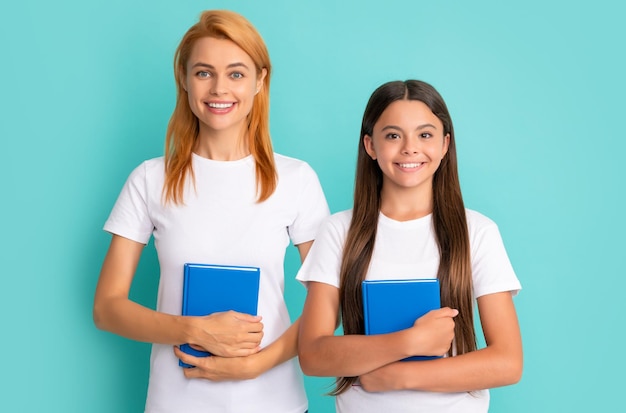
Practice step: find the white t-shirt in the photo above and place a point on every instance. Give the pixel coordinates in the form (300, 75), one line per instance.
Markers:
(406, 250)
(221, 223)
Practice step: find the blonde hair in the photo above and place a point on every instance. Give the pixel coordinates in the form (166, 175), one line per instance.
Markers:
(183, 128)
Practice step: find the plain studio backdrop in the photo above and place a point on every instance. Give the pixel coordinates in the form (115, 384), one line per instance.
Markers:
(535, 89)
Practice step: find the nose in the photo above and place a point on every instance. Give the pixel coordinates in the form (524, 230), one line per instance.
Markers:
(411, 146)
(218, 86)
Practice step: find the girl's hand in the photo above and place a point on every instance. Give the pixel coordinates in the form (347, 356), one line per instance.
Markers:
(498, 364)
(383, 378)
(217, 368)
(432, 334)
(228, 334)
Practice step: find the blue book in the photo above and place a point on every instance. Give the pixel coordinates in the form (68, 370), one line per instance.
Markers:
(394, 305)
(210, 289)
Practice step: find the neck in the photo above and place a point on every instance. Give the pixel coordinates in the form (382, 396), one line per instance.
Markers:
(405, 204)
(225, 145)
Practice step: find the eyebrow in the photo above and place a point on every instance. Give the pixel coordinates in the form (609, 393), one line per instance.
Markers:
(230, 66)
(420, 127)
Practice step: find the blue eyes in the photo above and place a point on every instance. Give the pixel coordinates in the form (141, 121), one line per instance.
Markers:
(205, 75)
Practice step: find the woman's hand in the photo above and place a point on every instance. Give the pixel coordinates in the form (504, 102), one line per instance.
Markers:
(217, 368)
(228, 334)
(243, 368)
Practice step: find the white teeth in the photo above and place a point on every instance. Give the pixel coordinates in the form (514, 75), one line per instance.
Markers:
(220, 105)
(410, 165)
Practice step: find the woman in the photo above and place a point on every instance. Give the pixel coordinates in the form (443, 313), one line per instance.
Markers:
(409, 221)
(218, 196)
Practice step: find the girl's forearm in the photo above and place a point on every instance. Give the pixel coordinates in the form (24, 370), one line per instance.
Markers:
(350, 355)
(481, 369)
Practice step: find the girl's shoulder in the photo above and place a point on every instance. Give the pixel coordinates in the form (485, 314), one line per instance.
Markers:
(338, 222)
(334, 228)
(475, 218)
(341, 218)
(479, 224)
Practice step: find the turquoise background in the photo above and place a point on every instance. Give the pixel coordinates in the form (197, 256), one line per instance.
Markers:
(536, 92)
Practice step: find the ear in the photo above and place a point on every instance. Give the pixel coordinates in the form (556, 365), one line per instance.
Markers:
(446, 144)
(368, 144)
(259, 80)
(182, 78)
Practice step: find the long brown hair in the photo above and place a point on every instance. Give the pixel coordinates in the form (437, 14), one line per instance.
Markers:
(449, 222)
(183, 128)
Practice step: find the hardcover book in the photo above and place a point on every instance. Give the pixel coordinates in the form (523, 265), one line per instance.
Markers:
(394, 305)
(209, 289)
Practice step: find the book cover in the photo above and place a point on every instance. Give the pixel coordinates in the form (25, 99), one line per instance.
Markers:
(210, 289)
(393, 305)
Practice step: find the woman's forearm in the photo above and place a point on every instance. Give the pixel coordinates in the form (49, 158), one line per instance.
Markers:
(126, 318)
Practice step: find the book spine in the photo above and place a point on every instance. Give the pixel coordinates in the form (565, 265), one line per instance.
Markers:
(184, 309)
(365, 309)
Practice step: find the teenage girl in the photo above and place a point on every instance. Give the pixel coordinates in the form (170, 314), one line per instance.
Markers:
(409, 221)
(218, 196)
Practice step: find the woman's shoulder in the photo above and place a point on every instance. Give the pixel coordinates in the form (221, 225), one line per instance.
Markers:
(292, 171)
(149, 169)
(152, 164)
(289, 164)
(158, 162)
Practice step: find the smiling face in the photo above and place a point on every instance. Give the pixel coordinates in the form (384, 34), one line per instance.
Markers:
(408, 143)
(221, 82)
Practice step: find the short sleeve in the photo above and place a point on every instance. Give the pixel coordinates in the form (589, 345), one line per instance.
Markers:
(311, 206)
(130, 216)
(492, 271)
(323, 262)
